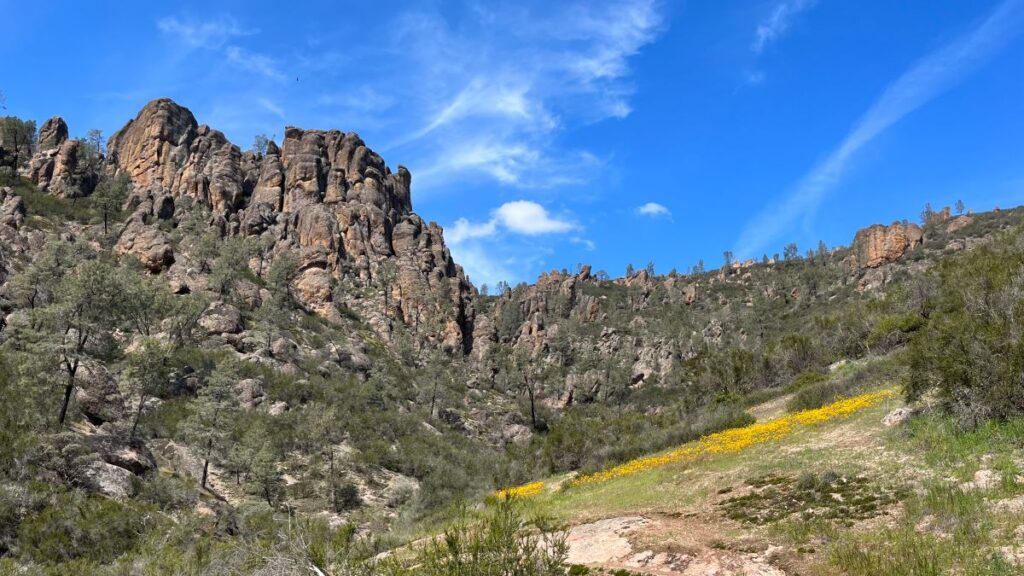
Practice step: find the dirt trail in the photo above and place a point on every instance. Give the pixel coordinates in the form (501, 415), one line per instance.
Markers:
(666, 546)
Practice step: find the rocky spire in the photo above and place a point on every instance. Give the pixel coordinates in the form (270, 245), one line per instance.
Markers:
(323, 195)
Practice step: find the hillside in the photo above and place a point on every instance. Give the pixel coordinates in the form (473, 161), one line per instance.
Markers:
(224, 361)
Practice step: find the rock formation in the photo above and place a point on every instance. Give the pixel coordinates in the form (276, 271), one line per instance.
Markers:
(878, 244)
(61, 166)
(324, 196)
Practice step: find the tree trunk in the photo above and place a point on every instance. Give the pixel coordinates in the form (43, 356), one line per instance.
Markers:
(138, 416)
(206, 463)
(334, 484)
(433, 399)
(69, 388)
(533, 407)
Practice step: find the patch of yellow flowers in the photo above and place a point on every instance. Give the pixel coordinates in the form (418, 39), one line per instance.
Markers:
(724, 442)
(524, 491)
(736, 439)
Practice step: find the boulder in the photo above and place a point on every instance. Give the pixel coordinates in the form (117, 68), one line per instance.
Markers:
(313, 289)
(150, 245)
(108, 479)
(221, 318)
(181, 459)
(132, 454)
(250, 393)
(12, 209)
(97, 395)
(898, 417)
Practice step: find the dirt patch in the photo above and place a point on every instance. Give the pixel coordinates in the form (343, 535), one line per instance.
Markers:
(771, 409)
(622, 546)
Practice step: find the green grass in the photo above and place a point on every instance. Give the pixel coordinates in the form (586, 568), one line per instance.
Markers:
(44, 210)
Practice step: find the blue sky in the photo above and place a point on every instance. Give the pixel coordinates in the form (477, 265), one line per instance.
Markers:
(546, 134)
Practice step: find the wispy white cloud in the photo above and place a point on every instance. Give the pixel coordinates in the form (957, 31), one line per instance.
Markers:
(464, 230)
(778, 22)
(272, 107)
(929, 77)
(213, 33)
(586, 243)
(482, 267)
(653, 209)
(218, 35)
(253, 62)
(493, 97)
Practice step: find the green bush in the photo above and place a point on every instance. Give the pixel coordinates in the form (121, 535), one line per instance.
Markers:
(75, 526)
(893, 330)
(971, 351)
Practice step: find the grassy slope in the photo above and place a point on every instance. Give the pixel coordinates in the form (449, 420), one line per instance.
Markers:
(934, 527)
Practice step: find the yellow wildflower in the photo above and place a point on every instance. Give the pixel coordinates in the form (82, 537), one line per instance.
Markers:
(736, 439)
(524, 491)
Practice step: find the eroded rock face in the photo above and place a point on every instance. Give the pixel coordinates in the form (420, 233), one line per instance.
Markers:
(165, 151)
(878, 244)
(65, 170)
(98, 396)
(324, 196)
(148, 243)
(53, 133)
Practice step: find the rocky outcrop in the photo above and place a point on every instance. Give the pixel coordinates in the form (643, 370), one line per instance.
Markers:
(68, 170)
(324, 196)
(877, 244)
(53, 133)
(165, 151)
(150, 245)
(221, 318)
(98, 396)
(132, 454)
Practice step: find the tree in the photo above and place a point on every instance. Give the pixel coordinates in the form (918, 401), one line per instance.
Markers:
(87, 311)
(927, 215)
(960, 207)
(265, 475)
(790, 252)
(145, 301)
(3, 101)
(110, 195)
(18, 136)
(629, 269)
(727, 256)
(214, 406)
(94, 140)
(230, 265)
(185, 312)
(148, 372)
(485, 290)
(650, 268)
(698, 268)
(259, 144)
(282, 271)
(822, 250)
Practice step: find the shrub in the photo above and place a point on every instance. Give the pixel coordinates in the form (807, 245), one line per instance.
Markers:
(893, 330)
(75, 526)
(971, 351)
